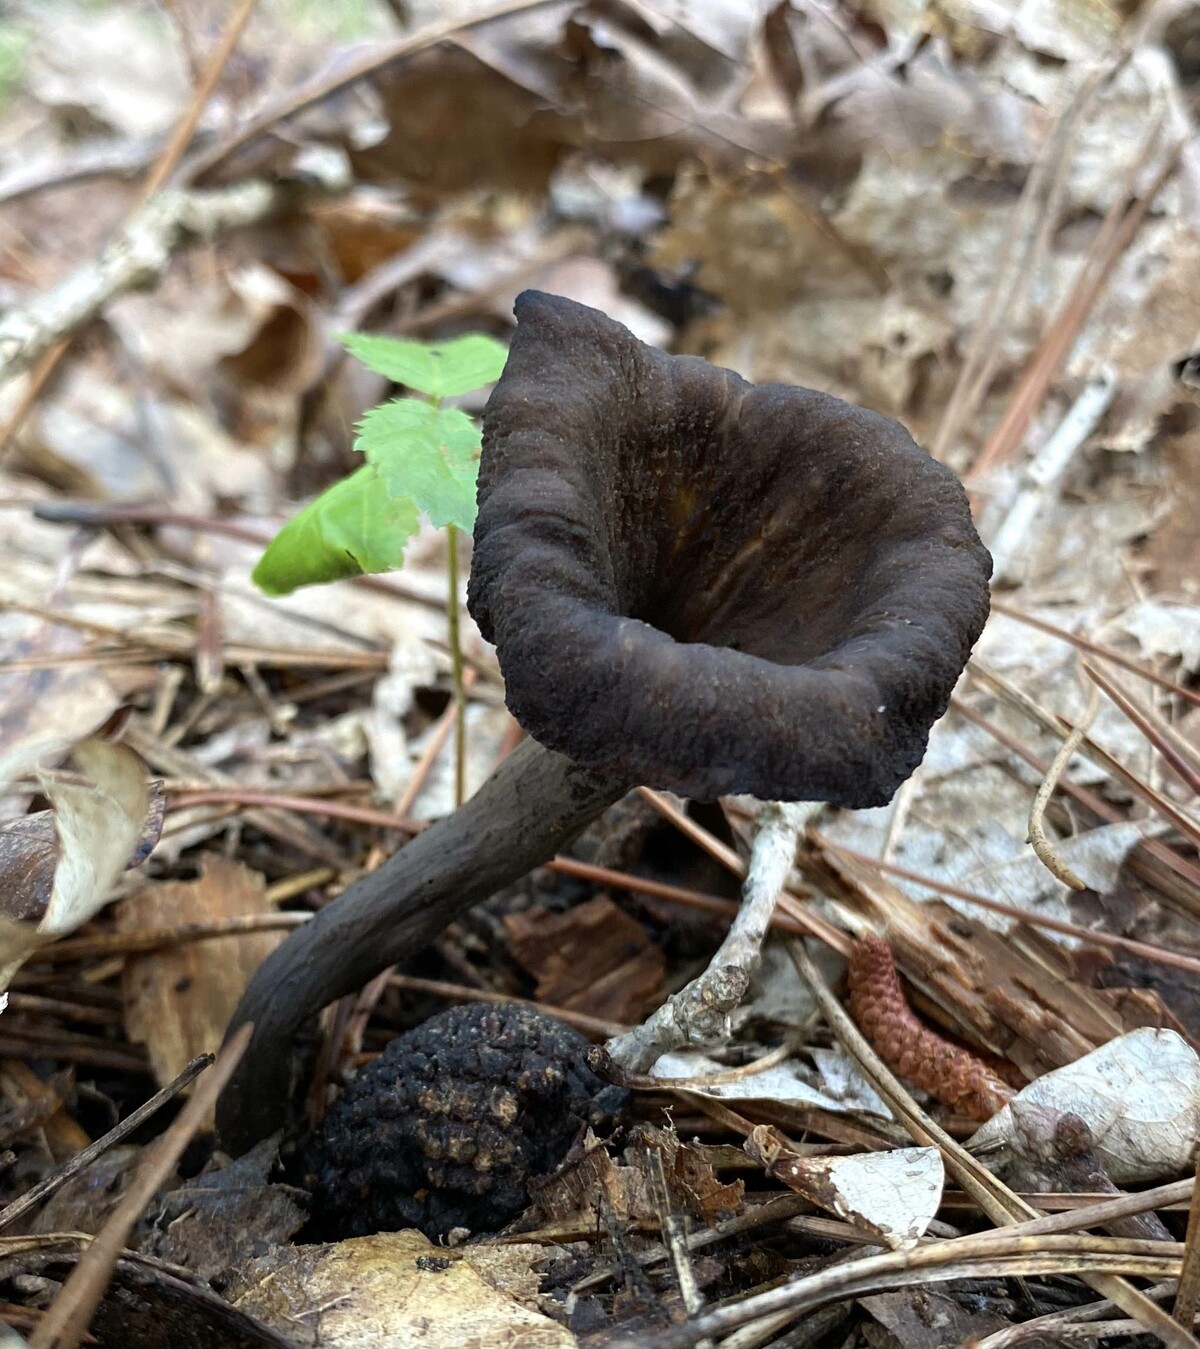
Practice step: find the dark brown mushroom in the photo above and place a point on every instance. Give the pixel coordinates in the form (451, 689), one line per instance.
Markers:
(692, 582)
(712, 586)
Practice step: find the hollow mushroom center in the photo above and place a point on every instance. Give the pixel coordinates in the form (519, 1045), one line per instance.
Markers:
(747, 542)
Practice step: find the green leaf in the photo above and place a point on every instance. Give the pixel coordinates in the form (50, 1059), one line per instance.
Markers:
(429, 454)
(352, 528)
(439, 369)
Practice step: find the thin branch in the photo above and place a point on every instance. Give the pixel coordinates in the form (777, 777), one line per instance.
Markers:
(185, 129)
(71, 1168)
(135, 259)
(1044, 472)
(68, 1318)
(810, 922)
(324, 86)
(675, 1239)
(699, 1013)
(1095, 1259)
(1188, 1297)
(1037, 829)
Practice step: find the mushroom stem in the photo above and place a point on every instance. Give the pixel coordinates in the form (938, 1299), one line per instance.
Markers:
(530, 806)
(699, 1013)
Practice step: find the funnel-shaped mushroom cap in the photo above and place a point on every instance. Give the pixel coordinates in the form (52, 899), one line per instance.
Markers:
(711, 586)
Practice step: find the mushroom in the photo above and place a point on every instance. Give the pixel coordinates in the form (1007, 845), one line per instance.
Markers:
(692, 583)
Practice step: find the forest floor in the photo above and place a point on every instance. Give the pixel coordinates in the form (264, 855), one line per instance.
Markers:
(980, 217)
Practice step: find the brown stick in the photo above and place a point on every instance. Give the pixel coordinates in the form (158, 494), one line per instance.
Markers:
(65, 1323)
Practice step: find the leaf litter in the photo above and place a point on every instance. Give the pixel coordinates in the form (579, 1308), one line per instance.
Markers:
(894, 204)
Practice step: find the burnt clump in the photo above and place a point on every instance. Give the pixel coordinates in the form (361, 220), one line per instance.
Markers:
(449, 1125)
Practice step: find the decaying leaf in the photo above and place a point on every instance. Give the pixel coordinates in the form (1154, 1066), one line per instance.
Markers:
(100, 825)
(1139, 1096)
(592, 1182)
(781, 1082)
(894, 1194)
(396, 1288)
(42, 711)
(178, 1000)
(216, 1222)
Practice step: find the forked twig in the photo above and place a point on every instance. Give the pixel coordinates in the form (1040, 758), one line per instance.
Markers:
(699, 1013)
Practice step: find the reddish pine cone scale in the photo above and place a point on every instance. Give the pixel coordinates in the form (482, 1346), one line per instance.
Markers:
(950, 1074)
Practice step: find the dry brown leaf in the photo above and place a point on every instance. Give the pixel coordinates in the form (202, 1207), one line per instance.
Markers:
(592, 1183)
(507, 102)
(216, 1222)
(30, 851)
(178, 1000)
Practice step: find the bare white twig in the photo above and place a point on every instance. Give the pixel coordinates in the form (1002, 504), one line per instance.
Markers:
(135, 259)
(699, 1013)
(1045, 470)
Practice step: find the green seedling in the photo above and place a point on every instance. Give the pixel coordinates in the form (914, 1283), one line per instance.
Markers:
(421, 458)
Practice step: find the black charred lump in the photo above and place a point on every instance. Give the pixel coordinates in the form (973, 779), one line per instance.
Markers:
(449, 1125)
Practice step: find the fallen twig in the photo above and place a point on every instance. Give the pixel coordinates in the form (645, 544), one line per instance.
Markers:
(699, 1013)
(1044, 472)
(1047, 855)
(67, 1320)
(135, 259)
(74, 1165)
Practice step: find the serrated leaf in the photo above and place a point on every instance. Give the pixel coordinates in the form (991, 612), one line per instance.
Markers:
(353, 528)
(439, 369)
(429, 454)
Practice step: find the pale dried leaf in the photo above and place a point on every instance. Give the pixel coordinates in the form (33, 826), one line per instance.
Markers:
(783, 1082)
(1139, 1095)
(119, 63)
(894, 1195)
(1164, 629)
(100, 824)
(396, 1288)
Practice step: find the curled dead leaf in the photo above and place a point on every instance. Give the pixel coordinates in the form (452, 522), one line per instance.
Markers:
(100, 826)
